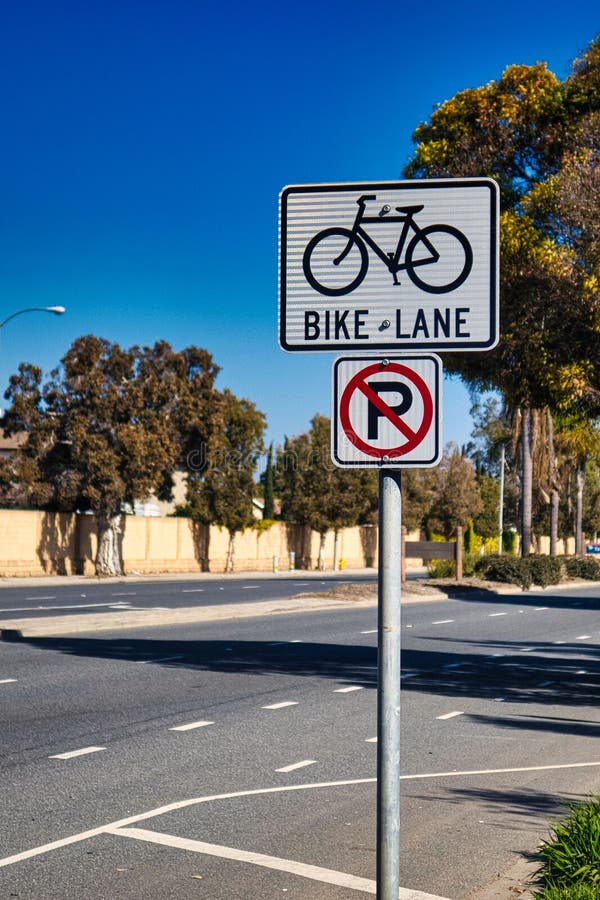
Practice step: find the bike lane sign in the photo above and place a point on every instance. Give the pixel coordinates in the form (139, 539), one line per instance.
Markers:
(407, 265)
(386, 412)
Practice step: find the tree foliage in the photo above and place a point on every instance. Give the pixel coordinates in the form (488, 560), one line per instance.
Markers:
(108, 428)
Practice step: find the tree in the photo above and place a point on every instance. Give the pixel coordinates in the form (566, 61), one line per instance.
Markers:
(222, 494)
(269, 488)
(458, 496)
(521, 130)
(313, 491)
(103, 431)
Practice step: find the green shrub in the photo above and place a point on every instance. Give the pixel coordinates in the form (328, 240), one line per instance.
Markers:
(441, 568)
(583, 567)
(507, 569)
(545, 570)
(571, 858)
(534, 569)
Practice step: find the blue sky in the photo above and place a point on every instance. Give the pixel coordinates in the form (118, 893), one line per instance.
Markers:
(144, 145)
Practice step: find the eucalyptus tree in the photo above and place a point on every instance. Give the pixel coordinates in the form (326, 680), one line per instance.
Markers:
(522, 130)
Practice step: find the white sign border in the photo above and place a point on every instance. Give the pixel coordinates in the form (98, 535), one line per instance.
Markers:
(366, 186)
(396, 463)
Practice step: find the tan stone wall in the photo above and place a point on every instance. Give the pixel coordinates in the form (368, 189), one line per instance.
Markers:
(36, 543)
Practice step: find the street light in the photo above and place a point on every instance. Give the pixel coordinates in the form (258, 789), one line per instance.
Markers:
(57, 310)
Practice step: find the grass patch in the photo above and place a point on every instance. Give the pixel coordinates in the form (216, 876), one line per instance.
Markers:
(571, 857)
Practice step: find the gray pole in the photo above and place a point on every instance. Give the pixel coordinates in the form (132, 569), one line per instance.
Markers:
(388, 686)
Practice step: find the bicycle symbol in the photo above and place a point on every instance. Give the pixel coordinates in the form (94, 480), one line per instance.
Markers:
(442, 247)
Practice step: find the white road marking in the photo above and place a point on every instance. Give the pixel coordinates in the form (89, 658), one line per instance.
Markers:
(281, 705)
(372, 631)
(196, 801)
(526, 649)
(297, 641)
(315, 873)
(72, 753)
(347, 690)
(7, 680)
(64, 606)
(192, 591)
(451, 715)
(190, 726)
(249, 587)
(495, 615)
(147, 662)
(540, 608)
(372, 740)
(443, 622)
(298, 765)
(559, 642)
(124, 594)
(583, 637)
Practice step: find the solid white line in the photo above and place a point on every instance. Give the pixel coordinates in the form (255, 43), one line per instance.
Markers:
(146, 662)
(443, 622)
(451, 715)
(7, 680)
(190, 726)
(499, 771)
(347, 690)
(281, 705)
(72, 753)
(316, 873)
(298, 765)
(196, 801)
(65, 606)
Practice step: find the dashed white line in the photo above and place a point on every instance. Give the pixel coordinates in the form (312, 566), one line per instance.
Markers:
(372, 631)
(7, 680)
(451, 715)
(443, 622)
(124, 594)
(249, 587)
(299, 765)
(540, 608)
(192, 591)
(583, 637)
(72, 753)
(372, 740)
(40, 598)
(281, 705)
(348, 690)
(495, 615)
(190, 726)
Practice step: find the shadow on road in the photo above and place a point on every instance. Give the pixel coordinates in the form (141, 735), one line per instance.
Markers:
(546, 675)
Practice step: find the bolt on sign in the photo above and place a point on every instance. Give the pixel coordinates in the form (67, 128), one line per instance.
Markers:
(406, 265)
(386, 412)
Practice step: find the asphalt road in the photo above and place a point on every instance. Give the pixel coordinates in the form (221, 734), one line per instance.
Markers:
(86, 596)
(198, 746)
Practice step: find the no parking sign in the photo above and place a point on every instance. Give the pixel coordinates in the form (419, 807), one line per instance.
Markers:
(386, 412)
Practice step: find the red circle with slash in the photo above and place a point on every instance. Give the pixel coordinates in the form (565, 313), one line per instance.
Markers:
(359, 383)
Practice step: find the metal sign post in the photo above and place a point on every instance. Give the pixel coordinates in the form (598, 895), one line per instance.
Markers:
(388, 686)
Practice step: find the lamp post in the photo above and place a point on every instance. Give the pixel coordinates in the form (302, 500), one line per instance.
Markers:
(57, 310)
